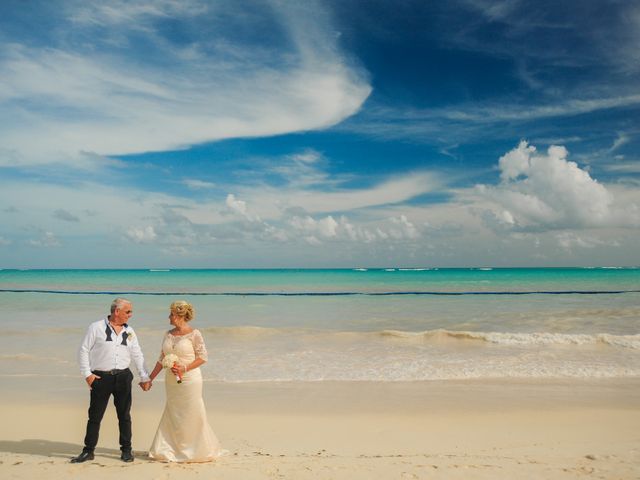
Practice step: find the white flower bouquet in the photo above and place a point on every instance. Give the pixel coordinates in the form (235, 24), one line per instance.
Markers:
(169, 361)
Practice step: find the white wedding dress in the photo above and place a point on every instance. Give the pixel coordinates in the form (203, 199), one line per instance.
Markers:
(184, 434)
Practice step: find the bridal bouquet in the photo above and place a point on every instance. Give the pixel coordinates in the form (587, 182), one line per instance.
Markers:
(169, 361)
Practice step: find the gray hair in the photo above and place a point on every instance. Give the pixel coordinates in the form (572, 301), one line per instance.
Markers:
(119, 303)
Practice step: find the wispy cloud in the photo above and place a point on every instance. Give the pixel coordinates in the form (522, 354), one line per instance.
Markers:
(159, 94)
(542, 30)
(46, 240)
(304, 169)
(561, 60)
(622, 139)
(127, 13)
(630, 166)
(571, 240)
(62, 214)
(394, 190)
(260, 213)
(196, 184)
(141, 234)
(491, 114)
(85, 83)
(472, 121)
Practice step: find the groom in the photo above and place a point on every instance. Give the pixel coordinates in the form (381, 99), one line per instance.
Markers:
(105, 354)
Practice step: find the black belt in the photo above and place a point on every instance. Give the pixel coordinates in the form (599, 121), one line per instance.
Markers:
(115, 371)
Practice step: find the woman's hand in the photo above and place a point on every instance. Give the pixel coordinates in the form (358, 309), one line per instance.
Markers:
(178, 369)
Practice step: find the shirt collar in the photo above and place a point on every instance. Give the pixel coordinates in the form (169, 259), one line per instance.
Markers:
(125, 325)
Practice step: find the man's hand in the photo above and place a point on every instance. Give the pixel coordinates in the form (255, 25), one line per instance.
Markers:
(146, 386)
(90, 379)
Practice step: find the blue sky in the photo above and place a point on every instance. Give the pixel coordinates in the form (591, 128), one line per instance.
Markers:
(197, 133)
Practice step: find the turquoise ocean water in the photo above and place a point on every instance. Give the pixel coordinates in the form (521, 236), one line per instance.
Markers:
(357, 324)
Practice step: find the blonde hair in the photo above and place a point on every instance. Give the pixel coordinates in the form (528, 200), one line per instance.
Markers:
(182, 309)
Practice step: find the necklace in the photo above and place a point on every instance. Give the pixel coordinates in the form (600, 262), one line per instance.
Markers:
(179, 332)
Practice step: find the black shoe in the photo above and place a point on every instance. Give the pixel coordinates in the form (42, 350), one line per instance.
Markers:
(127, 456)
(83, 457)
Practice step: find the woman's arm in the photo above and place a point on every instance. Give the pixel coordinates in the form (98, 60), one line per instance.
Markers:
(195, 364)
(156, 371)
(180, 369)
(200, 352)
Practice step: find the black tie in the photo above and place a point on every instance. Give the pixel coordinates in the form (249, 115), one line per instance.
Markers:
(108, 332)
(124, 338)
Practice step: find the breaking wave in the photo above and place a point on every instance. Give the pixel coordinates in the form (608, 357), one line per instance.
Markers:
(504, 338)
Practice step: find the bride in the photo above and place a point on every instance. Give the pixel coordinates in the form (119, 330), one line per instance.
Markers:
(184, 434)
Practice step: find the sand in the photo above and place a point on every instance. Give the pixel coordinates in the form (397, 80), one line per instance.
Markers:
(449, 430)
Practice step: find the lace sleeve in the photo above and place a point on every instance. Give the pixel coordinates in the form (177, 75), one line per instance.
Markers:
(198, 346)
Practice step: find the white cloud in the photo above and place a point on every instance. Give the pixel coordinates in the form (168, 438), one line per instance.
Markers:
(516, 162)
(274, 234)
(311, 240)
(622, 139)
(326, 227)
(623, 167)
(251, 225)
(471, 120)
(387, 233)
(117, 214)
(141, 234)
(543, 30)
(46, 240)
(237, 206)
(301, 170)
(270, 201)
(404, 228)
(307, 157)
(114, 101)
(570, 107)
(568, 240)
(546, 191)
(571, 240)
(196, 184)
(62, 214)
(131, 12)
(4, 241)
(149, 218)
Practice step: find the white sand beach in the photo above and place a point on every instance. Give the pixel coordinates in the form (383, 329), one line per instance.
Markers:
(340, 430)
(345, 387)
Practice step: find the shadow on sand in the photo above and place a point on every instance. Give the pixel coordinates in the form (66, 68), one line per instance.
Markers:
(48, 448)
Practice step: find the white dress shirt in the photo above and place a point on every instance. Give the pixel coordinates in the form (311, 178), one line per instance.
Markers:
(103, 349)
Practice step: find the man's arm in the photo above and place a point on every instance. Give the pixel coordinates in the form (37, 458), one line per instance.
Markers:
(138, 359)
(83, 355)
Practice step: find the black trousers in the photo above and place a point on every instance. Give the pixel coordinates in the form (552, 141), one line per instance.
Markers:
(118, 385)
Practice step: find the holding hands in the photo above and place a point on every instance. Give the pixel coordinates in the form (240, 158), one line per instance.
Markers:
(145, 386)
